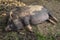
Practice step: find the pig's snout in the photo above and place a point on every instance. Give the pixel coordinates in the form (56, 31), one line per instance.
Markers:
(8, 28)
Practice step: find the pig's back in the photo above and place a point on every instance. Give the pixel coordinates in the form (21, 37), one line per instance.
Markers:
(39, 14)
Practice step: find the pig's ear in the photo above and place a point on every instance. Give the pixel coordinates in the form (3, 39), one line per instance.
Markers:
(11, 14)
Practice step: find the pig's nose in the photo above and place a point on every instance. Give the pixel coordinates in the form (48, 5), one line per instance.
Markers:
(8, 28)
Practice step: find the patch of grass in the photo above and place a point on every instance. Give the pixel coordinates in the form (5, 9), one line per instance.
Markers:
(11, 36)
(43, 37)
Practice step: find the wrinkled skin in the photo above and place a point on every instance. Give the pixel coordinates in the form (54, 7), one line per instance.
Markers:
(33, 14)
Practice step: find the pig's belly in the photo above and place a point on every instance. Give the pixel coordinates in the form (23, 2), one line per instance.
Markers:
(36, 19)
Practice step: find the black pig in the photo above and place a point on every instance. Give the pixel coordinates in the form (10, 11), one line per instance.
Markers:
(33, 14)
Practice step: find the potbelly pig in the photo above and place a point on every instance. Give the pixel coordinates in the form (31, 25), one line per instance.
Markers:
(33, 14)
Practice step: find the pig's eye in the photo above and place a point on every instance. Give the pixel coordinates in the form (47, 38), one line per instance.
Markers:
(14, 16)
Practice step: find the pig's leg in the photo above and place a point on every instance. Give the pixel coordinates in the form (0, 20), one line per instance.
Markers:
(51, 21)
(27, 23)
(52, 17)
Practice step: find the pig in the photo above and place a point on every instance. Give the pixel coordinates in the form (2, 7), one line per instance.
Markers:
(31, 14)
